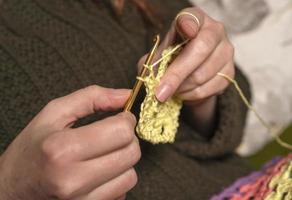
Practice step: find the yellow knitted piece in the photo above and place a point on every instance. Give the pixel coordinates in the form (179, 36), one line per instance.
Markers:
(281, 184)
(158, 122)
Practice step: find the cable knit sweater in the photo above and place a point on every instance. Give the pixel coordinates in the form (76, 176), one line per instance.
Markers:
(49, 48)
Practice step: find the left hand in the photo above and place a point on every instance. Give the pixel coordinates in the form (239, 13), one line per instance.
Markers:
(193, 74)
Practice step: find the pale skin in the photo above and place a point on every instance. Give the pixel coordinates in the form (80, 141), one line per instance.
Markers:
(51, 160)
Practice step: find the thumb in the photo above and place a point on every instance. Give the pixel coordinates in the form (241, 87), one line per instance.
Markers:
(188, 22)
(64, 111)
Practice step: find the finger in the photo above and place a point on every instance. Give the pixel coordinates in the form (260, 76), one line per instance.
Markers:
(64, 111)
(82, 177)
(212, 87)
(209, 69)
(114, 189)
(188, 22)
(193, 55)
(94, 173)
(113, 133)
(184, 26)
(122, 197)
(93, 140)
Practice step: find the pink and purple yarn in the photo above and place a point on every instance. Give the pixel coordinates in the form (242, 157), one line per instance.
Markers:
(256, 185)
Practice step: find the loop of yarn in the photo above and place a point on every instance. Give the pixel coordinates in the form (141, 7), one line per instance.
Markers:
(158, 121)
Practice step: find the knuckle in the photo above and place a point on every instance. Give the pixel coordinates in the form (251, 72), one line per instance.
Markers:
(48, 149)
(63, 188)
(125, 158)
(197, 79)
(127, 136)
(132, 118)
(134, 152)
(220, 27)
(52, 104)
(175, 79)
(56, 175)
(58, 182)
(199, 93)
(91, 87)
(126, 126)
(128, 118)
(206, 43)
(51, 152)
(202, 46)
(132, 178)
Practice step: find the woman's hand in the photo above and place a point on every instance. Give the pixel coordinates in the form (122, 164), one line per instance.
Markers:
(51, 160)
(193, 74)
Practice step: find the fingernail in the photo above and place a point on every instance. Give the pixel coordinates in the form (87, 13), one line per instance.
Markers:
(163, 92)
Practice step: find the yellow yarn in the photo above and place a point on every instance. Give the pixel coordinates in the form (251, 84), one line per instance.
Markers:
(258, 116)
(281, 184)
(158, 121)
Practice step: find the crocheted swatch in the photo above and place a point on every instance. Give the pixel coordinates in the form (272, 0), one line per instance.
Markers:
(158, 121)
(272, 182)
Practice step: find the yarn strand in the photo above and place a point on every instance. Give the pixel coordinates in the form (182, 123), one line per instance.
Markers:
(165, 60)
(258, 116)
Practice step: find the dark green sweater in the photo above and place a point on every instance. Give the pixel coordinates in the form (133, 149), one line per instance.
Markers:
(49, 48)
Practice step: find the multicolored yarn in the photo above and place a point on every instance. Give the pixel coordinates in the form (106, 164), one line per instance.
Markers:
(272, 182)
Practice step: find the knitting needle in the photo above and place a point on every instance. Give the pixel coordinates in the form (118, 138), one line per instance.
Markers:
(139, 83)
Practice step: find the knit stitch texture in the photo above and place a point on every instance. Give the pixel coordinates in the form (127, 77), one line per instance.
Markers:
(49, 48)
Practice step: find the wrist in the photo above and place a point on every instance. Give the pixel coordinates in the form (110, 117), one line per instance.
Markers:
(6, 191)
(202, 115)
(3, 187)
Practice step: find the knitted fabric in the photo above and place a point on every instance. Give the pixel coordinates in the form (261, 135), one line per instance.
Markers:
(272, 182)
(50, 48)
(158, 121)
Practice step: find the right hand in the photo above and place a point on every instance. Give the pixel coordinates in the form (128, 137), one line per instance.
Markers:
(51, 160)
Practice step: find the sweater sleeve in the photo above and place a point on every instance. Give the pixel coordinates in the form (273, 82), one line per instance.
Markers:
(231, 116)
(3, 140)
(16, 91)
(7, 98)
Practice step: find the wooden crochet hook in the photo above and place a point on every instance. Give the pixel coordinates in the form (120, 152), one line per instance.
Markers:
(139, 83)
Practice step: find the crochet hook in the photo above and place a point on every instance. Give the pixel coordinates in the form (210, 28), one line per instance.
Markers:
(139, 83)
